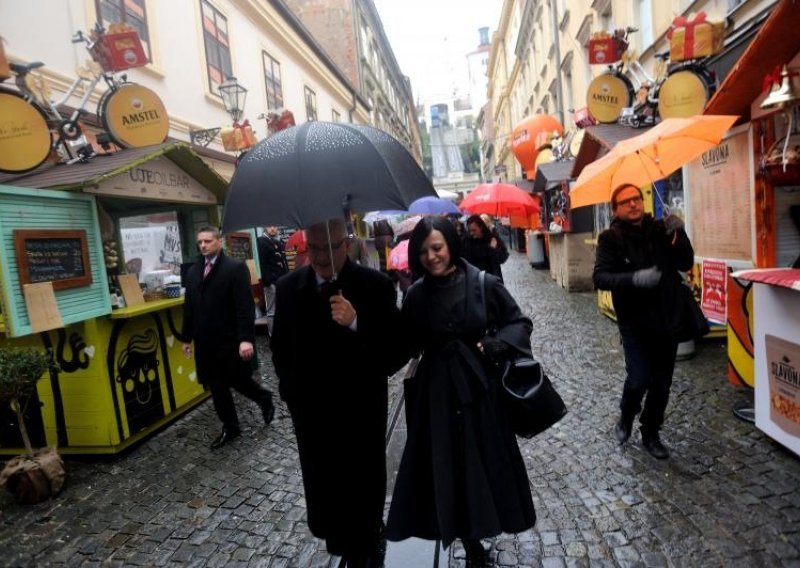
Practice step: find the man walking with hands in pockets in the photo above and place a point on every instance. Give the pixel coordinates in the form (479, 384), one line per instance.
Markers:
(638, 259)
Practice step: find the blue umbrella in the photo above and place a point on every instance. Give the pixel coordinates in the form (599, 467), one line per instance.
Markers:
(433, 206)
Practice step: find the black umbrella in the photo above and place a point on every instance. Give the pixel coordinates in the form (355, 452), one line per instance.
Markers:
(315, 171)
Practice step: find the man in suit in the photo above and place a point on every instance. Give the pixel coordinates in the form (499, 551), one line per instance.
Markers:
(272, 258)
(219, 317)
(338, 404)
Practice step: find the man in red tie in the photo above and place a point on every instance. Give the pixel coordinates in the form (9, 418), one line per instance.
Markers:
(219, 317)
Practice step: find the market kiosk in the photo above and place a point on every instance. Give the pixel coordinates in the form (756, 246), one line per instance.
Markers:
(777, 352)
(753, 191)
(90, 269)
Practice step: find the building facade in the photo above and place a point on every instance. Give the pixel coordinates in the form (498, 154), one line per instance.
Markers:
(539, 60)
(352, 33)
(193, 46)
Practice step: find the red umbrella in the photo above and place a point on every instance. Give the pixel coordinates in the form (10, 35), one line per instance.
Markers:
(499, 200)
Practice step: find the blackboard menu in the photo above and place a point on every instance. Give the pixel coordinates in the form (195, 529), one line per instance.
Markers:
(238, 246)
(60, 257)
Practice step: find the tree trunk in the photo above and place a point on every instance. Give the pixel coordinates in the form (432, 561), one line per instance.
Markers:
(21, 423)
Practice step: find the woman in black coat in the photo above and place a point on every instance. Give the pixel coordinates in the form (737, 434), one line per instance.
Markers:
(483, 247)
(461, 475)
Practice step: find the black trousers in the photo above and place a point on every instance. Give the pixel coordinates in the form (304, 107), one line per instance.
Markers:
(649, 363)
(243, 382)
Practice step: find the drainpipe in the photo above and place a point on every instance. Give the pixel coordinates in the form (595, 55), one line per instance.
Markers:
(557, 50)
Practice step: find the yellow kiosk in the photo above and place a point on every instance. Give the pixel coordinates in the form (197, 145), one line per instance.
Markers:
(69, 234)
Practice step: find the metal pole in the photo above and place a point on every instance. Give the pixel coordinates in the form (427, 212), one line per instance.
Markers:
(557, 51)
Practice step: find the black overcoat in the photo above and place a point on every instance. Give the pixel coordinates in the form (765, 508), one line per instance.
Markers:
(218, 314)
(461, 475)
(334, 382)
(624, 248)
(272, 258)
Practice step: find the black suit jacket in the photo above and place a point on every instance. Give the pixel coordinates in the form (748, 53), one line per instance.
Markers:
(218, 314)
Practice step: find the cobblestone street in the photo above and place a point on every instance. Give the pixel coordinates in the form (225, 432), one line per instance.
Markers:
(728, 496)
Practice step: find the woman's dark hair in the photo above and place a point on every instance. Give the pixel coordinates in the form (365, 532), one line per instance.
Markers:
(478, 221)
(421, 231)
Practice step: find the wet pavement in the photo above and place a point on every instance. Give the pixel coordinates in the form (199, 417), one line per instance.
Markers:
(728, 496)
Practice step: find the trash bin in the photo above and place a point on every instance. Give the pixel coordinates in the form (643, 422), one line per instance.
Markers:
(535, 247)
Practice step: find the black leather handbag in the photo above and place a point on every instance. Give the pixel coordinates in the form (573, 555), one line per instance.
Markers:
(532, 402)
(692, 322)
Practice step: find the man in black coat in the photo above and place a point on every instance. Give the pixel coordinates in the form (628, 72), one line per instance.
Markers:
(638, 259)
(219, 317)
(272, 258)
(333, 349)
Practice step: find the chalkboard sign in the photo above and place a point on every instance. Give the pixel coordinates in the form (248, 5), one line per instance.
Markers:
(238, 246)
(60, 257)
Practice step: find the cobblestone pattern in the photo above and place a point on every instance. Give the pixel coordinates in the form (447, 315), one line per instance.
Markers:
(728, 496)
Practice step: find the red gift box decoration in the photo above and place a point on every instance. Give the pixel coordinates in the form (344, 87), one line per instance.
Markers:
(605, 49)
(277, 122)
(119, 50)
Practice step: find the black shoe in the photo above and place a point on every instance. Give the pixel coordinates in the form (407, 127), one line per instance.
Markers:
(476, 557)
(268, 410)
(224, 437)
(623, 430)
(652, 443)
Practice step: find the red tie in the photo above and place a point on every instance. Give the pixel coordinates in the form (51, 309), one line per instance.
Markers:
(207, 269)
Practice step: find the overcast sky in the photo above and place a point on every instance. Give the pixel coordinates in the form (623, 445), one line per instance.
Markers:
(431, 39)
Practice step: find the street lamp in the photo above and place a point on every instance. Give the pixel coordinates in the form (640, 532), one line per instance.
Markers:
(233, 97)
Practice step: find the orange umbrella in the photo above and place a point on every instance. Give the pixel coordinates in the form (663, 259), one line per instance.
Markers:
(651, 156)
(499, 200)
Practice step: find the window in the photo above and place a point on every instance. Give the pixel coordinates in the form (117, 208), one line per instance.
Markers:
(272, 82)
(131, 12)
(218, 53)
(644, 14)
(335, 116)
(311, 104)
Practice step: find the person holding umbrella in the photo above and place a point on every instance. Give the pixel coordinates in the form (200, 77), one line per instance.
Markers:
(484, 248)
(638, 259)
(338, 404)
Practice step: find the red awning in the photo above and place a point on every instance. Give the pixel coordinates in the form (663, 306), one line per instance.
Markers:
(784, 277)
(775, 44)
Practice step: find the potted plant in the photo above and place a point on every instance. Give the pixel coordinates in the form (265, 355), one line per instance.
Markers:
(37, 475)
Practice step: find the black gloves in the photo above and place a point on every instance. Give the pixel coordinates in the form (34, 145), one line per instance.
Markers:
(494, 348)
(672, 223)
(647, 277)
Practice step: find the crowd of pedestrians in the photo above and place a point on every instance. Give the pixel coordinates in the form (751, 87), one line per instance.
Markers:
(338, 335)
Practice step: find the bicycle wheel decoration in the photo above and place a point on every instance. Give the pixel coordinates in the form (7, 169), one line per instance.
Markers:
(607, 95)
(25, 137)
(683, 94)
(134, 116)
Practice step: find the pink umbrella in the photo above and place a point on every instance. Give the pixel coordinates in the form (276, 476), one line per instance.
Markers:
(398, 256)
(407, 225)
(499, 200)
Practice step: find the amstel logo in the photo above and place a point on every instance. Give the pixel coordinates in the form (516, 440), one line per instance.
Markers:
(135, 117)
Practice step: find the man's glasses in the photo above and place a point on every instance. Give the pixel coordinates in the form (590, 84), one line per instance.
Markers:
(630, 201)
(324, 248)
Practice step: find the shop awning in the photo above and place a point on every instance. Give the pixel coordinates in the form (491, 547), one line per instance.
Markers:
(103, 167)
(598, 140)
(775, 44)
(551, 174)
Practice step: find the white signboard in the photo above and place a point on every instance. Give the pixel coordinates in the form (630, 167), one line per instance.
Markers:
(148, 249)
(157, 180)
(720, 199)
